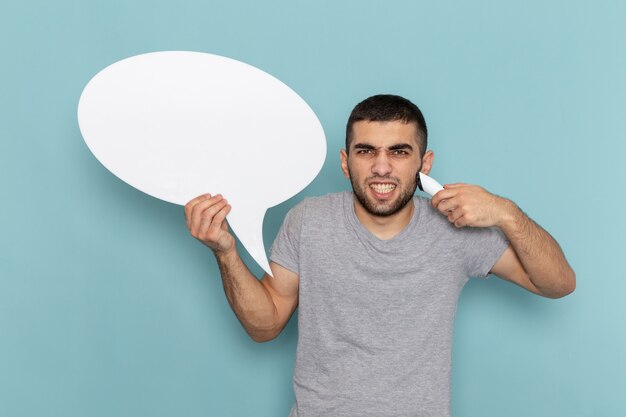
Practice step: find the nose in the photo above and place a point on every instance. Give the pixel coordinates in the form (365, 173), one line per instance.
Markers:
(382, 165)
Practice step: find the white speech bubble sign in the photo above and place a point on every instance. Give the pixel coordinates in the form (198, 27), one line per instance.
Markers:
(177, 124)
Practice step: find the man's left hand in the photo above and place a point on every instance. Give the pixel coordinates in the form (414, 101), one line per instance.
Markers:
(471, 205)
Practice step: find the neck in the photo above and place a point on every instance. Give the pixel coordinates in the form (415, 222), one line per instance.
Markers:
(384, 227)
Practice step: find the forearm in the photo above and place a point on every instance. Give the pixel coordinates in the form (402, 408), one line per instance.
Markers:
(248, 298)
(540, 255)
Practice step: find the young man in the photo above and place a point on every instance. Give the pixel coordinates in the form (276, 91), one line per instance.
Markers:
(377, 272)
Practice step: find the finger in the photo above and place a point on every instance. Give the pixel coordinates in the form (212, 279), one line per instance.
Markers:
(447, 206)
(455, 215)
(211, 224)
(218, 219)
(190, 205)
(454, 185)
(199, 208)
(211, 210)
(209, 213)
(442, 195)
(206, 229)
(197, 200)
(225, 225)
(457, 218)
(194, 217)
(460, 222)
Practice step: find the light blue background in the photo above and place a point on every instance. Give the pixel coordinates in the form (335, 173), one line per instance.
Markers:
(109, 308)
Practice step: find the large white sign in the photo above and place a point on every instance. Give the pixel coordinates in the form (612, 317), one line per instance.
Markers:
(179, 124)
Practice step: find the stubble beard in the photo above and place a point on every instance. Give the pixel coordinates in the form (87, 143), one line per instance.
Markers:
(382, 209)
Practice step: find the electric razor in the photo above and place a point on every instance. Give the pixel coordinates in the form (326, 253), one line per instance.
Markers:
(427, 184)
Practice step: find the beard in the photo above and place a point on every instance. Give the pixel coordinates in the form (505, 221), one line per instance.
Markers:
(378, 207)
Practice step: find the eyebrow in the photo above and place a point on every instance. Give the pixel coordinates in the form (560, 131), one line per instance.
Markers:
(397, 147)
(400, 147)
(364, 146)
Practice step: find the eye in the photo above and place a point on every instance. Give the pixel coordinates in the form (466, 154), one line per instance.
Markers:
(399, 152)
(365, 151)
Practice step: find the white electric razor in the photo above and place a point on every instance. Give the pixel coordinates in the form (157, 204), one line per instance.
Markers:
(427, 184)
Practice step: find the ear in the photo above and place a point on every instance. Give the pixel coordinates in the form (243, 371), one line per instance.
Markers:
(343, 155)
(427, 162)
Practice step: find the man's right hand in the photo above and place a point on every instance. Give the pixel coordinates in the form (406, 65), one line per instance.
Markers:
(263, 307)
(206, 220)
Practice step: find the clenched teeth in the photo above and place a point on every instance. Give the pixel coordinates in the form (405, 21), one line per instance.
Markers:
(383, 188)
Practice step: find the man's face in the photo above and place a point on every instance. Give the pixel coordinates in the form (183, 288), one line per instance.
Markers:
(382, 164)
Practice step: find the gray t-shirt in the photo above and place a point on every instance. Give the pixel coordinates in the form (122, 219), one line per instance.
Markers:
(375, 317)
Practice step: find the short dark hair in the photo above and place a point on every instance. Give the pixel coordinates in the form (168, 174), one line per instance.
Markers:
(387, 108)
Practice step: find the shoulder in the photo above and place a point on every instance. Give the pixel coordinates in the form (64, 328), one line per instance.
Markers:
(437, 225)
(313, 214)
(428, 215)
(316, 207)
(321, 204)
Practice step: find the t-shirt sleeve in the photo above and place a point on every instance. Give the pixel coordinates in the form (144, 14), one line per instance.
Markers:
(482, 248)
(286, 247)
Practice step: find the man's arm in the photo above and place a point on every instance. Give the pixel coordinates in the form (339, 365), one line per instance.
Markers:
(263, 307)
(534, 260)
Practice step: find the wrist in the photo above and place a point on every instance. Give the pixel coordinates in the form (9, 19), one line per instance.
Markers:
(509, 214)
(225, 254)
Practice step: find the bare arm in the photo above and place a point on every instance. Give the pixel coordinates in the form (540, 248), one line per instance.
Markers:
(545, 269)
(263, 307)
(534, 260)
